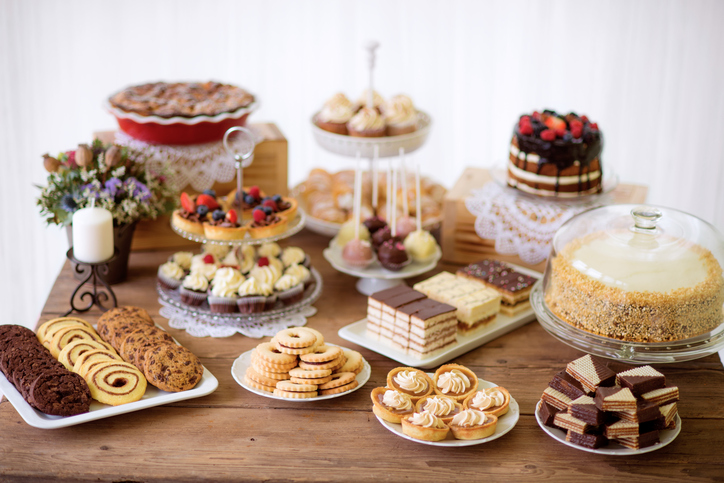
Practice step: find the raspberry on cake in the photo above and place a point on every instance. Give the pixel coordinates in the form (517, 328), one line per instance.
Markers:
(556, 155)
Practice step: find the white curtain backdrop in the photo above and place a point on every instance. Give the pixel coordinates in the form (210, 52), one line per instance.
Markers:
(649, 72)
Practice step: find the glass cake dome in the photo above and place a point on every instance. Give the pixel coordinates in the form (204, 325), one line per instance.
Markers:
(637, 283)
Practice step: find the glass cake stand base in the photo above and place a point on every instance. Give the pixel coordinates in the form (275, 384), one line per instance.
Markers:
(631, 352)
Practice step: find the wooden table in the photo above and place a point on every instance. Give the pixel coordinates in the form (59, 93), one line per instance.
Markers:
(234, 435)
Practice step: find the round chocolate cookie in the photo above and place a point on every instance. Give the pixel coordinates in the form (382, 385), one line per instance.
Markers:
(24, 375)
(172, 368)
(11, 333)
(19, 353)
(60, 393)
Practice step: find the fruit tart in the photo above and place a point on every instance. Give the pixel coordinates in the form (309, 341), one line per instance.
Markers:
(473, 424)
(391, 405)
(265, 223)
(455, 381)
(425, 426)
(493, 400)
(250, 198)
(408, 380)
(191, 216)
(224, 226)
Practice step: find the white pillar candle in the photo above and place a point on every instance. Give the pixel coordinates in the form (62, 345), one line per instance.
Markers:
(92, 235)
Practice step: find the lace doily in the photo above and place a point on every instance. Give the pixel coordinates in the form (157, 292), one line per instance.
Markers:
(203, 325)
(521, 225)
(197, 165)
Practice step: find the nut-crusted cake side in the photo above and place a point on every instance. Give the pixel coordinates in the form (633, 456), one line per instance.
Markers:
(184, 99)
(637, 316)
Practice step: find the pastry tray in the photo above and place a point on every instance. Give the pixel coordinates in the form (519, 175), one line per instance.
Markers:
(152, 397)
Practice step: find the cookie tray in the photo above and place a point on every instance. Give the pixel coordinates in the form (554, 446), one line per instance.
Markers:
(152, 397)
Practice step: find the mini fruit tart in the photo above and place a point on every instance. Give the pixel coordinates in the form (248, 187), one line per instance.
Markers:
(287, 206)
(250, 198)
(265, 223)
(443, 407)
(473, 424)
(425, 426)
(191, 216)
(391, 405)
(455, 381)
(224, 226)
(408, 380)
(493, 400)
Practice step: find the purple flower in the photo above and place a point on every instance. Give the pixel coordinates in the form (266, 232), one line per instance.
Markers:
(113, 186)
(93, 192)
(137, 189)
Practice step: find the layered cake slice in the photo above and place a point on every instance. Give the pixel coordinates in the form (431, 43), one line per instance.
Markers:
(374, 308)
(389, 312)
(403, 316)
(514, 287)
(432, 330)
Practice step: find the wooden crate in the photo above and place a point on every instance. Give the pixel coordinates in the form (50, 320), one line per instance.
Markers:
(269, 171)
(461, 244)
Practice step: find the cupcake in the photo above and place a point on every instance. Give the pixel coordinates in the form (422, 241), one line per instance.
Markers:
(377, 100)
(400, 116)
(218, 251)
(224, 291)
(367, 123)
(264, 272)
(170, 275)
(193, 289)
(250, 300)
(267, 290)
(290, 289)
(241, 258)
(294, 256)
(182, 259)
(302, 273)
(205, 264)
(335, 114)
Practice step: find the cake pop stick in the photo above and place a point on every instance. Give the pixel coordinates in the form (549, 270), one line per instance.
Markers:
(388, 200)
(371, 47)
(418, 210)
(405, 206)
(357, 197)
(393, 227)
(373, 170)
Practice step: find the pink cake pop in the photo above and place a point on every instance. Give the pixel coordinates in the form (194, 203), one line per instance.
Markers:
(357, 253)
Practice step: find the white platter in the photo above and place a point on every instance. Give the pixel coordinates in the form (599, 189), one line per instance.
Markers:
(242, 363)
(152, 397)
(505, 424)
(666, 436)
(388, 145)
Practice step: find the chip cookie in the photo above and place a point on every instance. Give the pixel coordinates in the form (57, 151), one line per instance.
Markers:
(137, 338)
(172, 368)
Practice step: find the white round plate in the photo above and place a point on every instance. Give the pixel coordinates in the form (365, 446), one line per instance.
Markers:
(333, 254)
(666, 436)
(505, 424)
(238, 369)
(387, 146)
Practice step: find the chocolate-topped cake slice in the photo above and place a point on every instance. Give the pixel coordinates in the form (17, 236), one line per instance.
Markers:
(563, 382)
(514, 287)
(615, 399)
(374, 308)
(591, 372)
(584, 408)
(641, 379)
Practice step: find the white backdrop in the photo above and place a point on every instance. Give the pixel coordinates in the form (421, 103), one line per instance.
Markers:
(649, 72)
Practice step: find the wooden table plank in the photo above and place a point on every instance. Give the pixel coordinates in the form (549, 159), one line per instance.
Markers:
(235, 435)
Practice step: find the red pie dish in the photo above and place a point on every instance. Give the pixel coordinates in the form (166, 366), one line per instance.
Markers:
(180, 113)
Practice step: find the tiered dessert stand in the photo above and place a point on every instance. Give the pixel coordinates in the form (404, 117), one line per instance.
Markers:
(375, 278)
(201, 322)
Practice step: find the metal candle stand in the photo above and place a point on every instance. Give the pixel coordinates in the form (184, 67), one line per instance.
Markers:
(92, 272)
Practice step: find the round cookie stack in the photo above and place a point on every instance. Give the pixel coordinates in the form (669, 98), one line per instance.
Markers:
(297, 364)
(149, 349)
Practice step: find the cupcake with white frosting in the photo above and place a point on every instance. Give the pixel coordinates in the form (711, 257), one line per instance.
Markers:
(251, 298)
(170, 275)
(193, 289)
(367, 123)
(224, 290)
(290, 289)
(400, 116)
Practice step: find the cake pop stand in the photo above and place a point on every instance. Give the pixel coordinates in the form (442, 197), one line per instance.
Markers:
(375, 277)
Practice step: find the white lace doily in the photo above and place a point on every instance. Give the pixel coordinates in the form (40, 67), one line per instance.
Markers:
(521, 225)
(203, 325)
(197, 165)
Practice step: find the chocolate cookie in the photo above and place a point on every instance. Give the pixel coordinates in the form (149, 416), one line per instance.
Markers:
(172, 368)
(60, 393)
(11, 333)
(24, 375)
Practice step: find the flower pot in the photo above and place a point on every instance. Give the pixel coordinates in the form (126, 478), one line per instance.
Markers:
(118, 268)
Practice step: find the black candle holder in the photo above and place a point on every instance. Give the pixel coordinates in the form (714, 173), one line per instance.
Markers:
(92, 272)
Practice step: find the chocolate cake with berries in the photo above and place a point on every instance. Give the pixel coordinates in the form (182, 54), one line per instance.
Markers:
(553, 154)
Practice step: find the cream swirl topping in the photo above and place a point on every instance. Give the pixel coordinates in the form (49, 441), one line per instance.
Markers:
(218, 251)
(453, 381)
(171, 270)
(231, 259)
(337, 113)
(229, 276)
(196, 281)
(250, 286)
(366, 120)
(208, 270)
(411, 381)
(226, 288)
(286, 282)
(299, 271)
(488, 398)
(396, 400)
(439, 406)
(400, 112)
(469, 418)
(266, 289)
(268, 274)
(338, 99)
(269, 250)
(198, 260)
(426, 420)
(293, 256)
(277, 264)
(183, 259)
(377, 99)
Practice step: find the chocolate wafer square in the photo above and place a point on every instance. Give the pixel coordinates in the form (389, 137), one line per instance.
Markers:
(591, 372)
(662, 396)
(587, 440)
(565, 383)
(570, 423)
(615, 399)
(645, 411)
(641, 379)
(584, 408)
(556, 399)
(548, 413)
(641, 441)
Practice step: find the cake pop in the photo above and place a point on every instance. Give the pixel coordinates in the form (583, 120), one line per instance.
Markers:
(357, 253)
(404, 226)
(374, 223)
(392, 255)
(346, 232)
(420, 244)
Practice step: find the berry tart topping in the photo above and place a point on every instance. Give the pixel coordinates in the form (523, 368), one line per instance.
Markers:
(210, 192)
(218, 215)
(187, 203)
(210, 202)
(271, 204)
(231, 217)
(202, 210)
(259, 215)
(254, 191)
